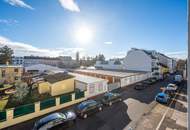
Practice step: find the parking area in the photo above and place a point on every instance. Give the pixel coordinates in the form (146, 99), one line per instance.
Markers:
(115, 117)
(167, 117)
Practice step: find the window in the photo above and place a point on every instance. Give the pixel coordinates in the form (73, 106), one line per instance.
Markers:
(16, 70)
(3, 73)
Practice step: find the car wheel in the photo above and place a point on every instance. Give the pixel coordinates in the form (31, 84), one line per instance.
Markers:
(85, 116)
(100, 108)
(110, 103)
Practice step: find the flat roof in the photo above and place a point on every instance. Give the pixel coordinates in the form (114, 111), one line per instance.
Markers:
(53, 78)
(86, 79)
(111, 72)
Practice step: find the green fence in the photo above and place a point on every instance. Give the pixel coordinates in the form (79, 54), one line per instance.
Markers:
(47, 103)
(3, 116)
(23, 110)
(79, 95)
(65, 98)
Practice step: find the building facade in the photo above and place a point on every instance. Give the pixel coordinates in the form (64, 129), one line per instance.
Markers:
(10, 73)
(149, 60)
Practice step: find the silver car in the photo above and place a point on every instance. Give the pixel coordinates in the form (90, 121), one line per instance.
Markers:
(54, 120)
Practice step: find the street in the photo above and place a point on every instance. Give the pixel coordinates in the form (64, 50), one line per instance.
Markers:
(116, 117)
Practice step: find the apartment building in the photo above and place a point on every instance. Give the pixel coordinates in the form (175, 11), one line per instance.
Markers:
(150, 61)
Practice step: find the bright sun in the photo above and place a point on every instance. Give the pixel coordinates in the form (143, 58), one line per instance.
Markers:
(84, 34)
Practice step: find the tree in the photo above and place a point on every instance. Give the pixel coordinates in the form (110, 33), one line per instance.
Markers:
(100, 57)
(22, 90)
(5, 55)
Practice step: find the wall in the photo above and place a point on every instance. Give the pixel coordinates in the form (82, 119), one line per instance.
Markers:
(62, 87)
(80, 85)
(96, 88)
(137, 60)
(12, 121)
(44, 87)
(134, 79)
(10, 74)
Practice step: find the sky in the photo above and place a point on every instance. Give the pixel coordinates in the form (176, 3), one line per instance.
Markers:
(112, 27)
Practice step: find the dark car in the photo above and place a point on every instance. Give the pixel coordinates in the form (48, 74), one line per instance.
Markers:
(153, 80)
(88, 107)
(55, 119)
(140, 86)
(110, 98)
(148, 82)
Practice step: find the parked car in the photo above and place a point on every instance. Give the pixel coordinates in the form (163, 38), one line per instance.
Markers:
(147, 82)
(55, 119)
(171, 87)
(178, 79)
(169, 92)
(88, 107)
(162, 98)
(110, 98)
(140, 86)
(153, 80)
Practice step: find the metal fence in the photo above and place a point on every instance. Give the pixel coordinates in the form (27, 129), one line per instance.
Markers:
(23, 110)
(47, 103)
(65, 98)
(3, 116)
(79, 94)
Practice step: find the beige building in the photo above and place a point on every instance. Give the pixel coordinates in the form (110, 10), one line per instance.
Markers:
(10, 73)
(56, 84)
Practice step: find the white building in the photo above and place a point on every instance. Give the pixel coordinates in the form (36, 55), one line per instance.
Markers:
(116, 79)
(93, 86)
(148, 60)
(17, 60)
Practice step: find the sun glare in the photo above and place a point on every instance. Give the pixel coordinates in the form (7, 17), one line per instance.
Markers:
(84, 34)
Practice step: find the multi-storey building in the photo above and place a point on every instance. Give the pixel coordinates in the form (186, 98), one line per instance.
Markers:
(18, 60)
(33, 60)
(149, 60)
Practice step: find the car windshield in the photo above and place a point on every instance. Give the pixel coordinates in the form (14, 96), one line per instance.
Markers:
(83, 105)
(50, 118)
(160, 96)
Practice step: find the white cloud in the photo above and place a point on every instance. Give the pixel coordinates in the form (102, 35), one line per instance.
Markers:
(8, 21)
(23, 49)
(19, 3)
(70, 5)
(177, 54)
(108, 43)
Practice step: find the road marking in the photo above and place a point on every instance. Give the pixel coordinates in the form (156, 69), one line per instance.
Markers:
(163, 117)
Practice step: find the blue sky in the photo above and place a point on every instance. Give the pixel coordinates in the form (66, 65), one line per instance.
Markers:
(47, 27)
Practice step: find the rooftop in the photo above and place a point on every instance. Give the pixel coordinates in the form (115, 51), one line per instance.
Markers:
(111, 73)
(86, 79)
(53, 78)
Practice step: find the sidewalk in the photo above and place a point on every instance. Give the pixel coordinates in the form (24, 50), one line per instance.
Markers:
(175, 118)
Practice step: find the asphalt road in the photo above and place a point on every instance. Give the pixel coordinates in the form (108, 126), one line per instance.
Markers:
(115, 117)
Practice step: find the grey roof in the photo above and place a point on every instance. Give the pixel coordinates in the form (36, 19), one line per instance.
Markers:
(111, 73)
(86, 79)
(52, 78)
